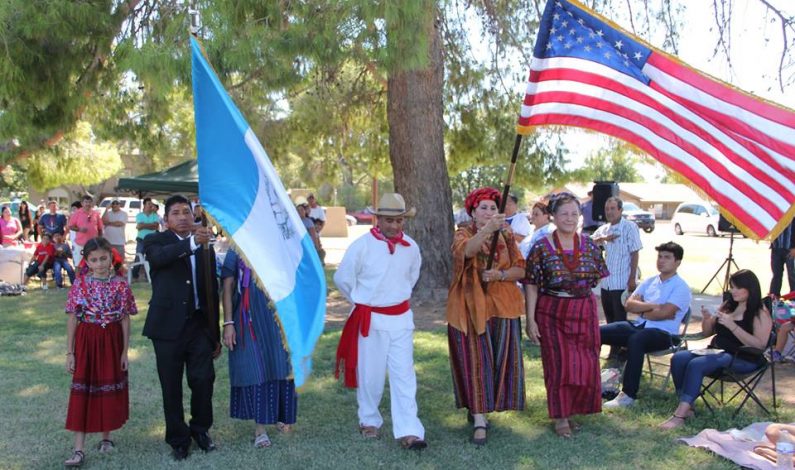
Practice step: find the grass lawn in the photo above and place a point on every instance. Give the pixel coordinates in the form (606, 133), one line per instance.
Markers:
(34, 388)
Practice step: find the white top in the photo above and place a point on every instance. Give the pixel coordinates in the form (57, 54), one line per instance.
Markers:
(673, 290)
(618, 252)
(115, 235)
(369, 275)
(527, 244)
(317, 213)
(520, 224)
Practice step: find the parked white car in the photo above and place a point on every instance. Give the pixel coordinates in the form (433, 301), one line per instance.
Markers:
(131, 205)
(699, 217)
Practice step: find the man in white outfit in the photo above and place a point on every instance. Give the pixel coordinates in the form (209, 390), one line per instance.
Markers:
(377, 274)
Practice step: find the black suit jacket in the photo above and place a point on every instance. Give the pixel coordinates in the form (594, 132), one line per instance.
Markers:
(172, 289)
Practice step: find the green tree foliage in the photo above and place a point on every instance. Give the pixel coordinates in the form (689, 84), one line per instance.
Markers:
(615, 163)
(77, 160)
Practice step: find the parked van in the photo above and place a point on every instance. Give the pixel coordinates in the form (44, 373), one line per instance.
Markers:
(131, 205)
(699, 217)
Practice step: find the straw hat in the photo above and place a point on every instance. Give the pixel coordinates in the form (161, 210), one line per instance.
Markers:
(392, 204)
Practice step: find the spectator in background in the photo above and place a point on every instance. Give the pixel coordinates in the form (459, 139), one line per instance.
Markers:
(52, 222)
(517, 220)
(41, 260)
(26, 218)
(87, 224)
(35, 222)
(620, 239)
(159, 217)
(541, 227)
(61, 261)
(74, 207)
(10, 228)
(114, 219)
(316, 212)
(782, 253)
(146, 222)
(302, 206)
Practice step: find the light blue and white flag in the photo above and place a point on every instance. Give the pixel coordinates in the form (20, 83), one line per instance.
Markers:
(241, 190)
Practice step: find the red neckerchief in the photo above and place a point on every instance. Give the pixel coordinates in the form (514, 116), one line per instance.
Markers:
(390, 242)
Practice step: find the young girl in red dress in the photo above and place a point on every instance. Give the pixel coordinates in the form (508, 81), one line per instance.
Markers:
(99, 306)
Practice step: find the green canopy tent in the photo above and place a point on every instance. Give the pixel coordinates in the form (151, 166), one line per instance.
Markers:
(182, 178)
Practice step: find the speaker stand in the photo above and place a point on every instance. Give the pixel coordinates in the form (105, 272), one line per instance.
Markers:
(727, 263)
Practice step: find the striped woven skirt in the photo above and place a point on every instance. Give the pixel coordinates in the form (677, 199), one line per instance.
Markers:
(271, 402)
(488, 372)
(570, 342)
(99, 399)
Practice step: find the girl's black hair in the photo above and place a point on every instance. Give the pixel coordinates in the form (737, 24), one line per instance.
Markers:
(746, 279)
(97, 243)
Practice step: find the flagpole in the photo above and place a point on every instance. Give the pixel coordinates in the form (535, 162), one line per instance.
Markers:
(208, 273)
(511, 170)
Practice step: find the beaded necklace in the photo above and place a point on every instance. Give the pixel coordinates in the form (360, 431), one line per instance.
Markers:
(571, 262)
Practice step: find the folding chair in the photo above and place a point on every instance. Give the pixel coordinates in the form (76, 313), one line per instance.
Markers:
(746, 383)
(140, 260)
(678, 343)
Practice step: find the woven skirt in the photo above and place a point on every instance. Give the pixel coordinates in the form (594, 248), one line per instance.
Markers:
(99, 400)
(488, 372)
(570, 343)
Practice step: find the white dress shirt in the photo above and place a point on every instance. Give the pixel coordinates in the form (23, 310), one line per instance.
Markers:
(369, 275)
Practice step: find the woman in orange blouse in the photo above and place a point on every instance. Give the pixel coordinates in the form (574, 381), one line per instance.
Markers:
(483, 315)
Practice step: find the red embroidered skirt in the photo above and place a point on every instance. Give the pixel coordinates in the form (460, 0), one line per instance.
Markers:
(570, 342)
(99, 399)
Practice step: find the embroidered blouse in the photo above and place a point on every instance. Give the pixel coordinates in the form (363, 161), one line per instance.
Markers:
(100, 301)
(467, 301)
(545, 268)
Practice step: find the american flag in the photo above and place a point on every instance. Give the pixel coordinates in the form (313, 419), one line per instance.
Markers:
(738, 149)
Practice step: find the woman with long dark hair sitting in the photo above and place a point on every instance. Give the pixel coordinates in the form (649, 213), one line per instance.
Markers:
(740, 321)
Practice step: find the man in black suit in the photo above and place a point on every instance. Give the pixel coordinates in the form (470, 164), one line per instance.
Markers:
(178, 325)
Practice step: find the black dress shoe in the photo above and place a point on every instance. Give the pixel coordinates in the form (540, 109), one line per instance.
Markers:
(204, 441)
(180, 452)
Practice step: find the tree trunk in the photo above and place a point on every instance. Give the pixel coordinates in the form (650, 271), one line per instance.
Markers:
(416, 151)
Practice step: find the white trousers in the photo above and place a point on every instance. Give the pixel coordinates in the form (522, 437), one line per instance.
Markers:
(392, 351)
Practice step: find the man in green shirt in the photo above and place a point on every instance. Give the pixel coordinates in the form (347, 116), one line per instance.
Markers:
(146, 222)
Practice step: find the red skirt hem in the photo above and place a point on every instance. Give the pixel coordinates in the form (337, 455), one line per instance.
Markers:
(99, 393)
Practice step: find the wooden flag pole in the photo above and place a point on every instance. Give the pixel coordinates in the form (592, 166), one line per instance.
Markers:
(208, 273)
(511, 170)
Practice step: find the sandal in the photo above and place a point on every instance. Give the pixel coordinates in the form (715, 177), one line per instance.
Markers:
(562, 429)
(369, 432)
(413, 443)
(105, 445)
(283, 427)
(75, 460)
(675, 421)
(575, 427)
(262, 441)
(479, 441)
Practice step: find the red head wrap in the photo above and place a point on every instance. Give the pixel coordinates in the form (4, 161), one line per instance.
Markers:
(481, 194)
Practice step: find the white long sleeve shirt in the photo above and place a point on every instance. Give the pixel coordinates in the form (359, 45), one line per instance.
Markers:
(369, 275)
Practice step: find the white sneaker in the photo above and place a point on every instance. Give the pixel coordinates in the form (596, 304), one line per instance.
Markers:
(621, 401)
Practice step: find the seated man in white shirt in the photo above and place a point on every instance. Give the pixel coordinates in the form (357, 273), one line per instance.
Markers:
(661, 301)
(377, 274)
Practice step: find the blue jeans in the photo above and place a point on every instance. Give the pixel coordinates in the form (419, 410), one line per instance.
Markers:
(688, 371)
(59, 264)
(638, 341)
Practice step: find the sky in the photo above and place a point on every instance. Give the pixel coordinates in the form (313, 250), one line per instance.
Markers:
(755, 52)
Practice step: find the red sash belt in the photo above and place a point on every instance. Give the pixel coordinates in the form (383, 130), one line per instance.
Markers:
(359, 321)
